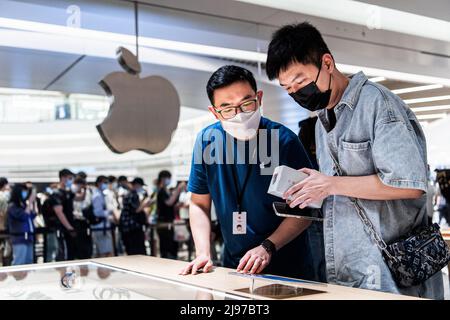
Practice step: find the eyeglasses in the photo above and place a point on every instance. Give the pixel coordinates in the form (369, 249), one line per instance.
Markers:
(230, 112)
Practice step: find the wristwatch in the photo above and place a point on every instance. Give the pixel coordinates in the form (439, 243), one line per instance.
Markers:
(269, 246)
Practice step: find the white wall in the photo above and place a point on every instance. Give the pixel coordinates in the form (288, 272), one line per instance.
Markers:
(36, 151)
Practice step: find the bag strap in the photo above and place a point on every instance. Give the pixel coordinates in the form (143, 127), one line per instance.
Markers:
(376, 237)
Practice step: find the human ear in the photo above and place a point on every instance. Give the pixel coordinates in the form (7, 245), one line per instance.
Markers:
(328, 62)
(259, 95)
(213, 111)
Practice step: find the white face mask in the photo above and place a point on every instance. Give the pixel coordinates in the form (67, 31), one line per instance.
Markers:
(244, 126)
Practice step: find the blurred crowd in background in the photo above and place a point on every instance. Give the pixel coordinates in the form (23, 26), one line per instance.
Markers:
(74, 219)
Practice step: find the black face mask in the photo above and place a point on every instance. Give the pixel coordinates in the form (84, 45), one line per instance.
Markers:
(311, 98)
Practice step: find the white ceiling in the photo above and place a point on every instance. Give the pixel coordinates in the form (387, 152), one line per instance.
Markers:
(224, 23)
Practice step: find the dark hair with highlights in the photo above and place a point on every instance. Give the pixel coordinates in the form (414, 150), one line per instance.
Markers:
(301, 43)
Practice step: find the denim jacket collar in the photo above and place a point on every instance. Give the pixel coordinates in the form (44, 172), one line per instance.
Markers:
(353, 90)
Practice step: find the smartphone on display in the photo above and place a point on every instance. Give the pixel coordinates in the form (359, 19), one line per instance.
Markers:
(282, 209)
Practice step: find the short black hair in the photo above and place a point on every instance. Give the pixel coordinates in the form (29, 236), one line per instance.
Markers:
(16, 195)
(3, 182)
(80, 181)
(163, 174)
(112, 179)
(101, 179)
(227, 75)
(65, 173)
(301, 43)
(82, 175)
(122, 179)
(138, 180)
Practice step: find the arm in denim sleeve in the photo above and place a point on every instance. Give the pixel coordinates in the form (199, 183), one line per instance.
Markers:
(397, 153)
(198, 182)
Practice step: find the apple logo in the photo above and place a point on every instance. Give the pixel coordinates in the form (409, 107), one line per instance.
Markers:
(144, 112)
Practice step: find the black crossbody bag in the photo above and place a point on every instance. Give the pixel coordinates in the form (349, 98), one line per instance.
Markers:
(412, 259)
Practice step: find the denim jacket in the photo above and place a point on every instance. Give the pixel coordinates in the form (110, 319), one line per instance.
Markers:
(375, 133)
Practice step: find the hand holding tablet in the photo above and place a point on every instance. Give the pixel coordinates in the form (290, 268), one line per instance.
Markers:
(285, 177)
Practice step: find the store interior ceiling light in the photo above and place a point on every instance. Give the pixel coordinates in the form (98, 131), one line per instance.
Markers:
(57, 38)
(418, 88)
(394, 75)
(431, 108)
(364, 14)
(427, 99)
(377, 79)
(46, 137)
(431, 116)
(155, 43)
(29, 92)
(51, 151)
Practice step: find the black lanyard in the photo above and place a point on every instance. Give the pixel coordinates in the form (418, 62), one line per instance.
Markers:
(240, 193)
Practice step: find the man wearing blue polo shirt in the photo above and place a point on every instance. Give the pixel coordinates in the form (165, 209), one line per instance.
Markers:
(232, 166)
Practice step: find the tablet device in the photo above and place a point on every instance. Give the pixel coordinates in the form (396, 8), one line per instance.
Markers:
(282, 209)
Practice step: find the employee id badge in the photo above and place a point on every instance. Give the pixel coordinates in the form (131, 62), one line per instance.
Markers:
(239, 222)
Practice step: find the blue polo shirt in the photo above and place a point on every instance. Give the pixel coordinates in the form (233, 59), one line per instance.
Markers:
(212, 173)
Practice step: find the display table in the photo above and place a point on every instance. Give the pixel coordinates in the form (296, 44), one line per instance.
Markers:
(144, 277)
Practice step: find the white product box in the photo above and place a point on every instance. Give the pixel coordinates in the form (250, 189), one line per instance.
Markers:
(285, 177)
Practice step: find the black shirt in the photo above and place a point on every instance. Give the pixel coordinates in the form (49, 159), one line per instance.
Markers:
(331, 118)
(130, 219)
(48, 211)
(165, 213)
(65, 198)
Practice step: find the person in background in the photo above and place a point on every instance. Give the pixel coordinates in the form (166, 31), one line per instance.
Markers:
(111, 197)
(152, 202)
(431, 195)
(21, 213)
(150, 208)
(5, 242)
(29, 185)
(307, 137)
(183, 203)
(133, 219)
(62, 201)
(101, 233)
(83, 239)
(81, 175)
(51, 222)
(32, 188)
(441, 203)
(113, 205)
(182, 234)
(123, 188)
(166, 203)
(182, 230)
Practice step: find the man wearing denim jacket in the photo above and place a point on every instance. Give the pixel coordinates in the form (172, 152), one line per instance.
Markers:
(380, 148)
